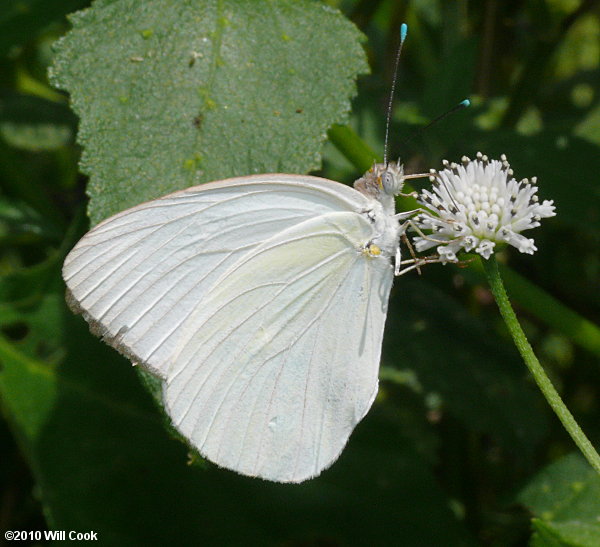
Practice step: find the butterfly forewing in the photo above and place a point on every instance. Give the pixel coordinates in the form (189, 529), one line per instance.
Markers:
(137, 276)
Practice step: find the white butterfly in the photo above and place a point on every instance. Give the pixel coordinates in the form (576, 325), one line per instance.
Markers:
(259, 301)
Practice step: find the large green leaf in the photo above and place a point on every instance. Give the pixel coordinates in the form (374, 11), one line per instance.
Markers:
(565, 499)
(171, 93)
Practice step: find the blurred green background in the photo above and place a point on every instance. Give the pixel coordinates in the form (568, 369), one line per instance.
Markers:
(459, 448)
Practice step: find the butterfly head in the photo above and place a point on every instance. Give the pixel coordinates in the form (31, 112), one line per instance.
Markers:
(382, 180)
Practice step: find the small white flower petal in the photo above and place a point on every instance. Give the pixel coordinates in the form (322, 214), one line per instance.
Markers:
(447, 255)
(485, 248)
(523, 244)
(470, 242)
(546, 209)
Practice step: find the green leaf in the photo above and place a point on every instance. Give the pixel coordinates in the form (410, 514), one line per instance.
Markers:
(565, 498)
(171, 94)
(31, 301)
(28, 390)
(565, 534)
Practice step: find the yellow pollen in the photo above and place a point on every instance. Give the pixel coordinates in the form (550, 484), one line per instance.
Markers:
(374, 250)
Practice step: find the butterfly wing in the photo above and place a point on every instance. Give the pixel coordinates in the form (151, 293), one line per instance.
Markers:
(138, 275)
(280, 360)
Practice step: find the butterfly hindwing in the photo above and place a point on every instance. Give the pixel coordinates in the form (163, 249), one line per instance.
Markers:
(279, 362)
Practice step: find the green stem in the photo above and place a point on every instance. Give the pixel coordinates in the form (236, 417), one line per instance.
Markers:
(354, 149)
(493, 274)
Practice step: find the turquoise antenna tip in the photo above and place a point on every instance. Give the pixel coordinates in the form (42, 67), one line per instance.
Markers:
(466, 102)
(403, 31)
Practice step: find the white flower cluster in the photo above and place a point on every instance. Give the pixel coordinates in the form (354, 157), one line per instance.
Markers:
(476, 204)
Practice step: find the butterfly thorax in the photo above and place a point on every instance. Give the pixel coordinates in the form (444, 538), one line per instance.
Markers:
(386, 229)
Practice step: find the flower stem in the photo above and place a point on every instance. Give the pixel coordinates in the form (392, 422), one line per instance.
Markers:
(491, 269)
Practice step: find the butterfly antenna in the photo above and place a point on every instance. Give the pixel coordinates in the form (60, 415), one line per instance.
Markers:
(459, 106)
(403, 32)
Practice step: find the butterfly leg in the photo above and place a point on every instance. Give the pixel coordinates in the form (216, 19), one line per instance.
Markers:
(398, 261)
(415, 261)
(411, 250)
(415, 264)
(406, 218)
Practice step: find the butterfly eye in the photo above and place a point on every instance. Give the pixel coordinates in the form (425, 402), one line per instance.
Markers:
(390, 183)
(387, 179)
